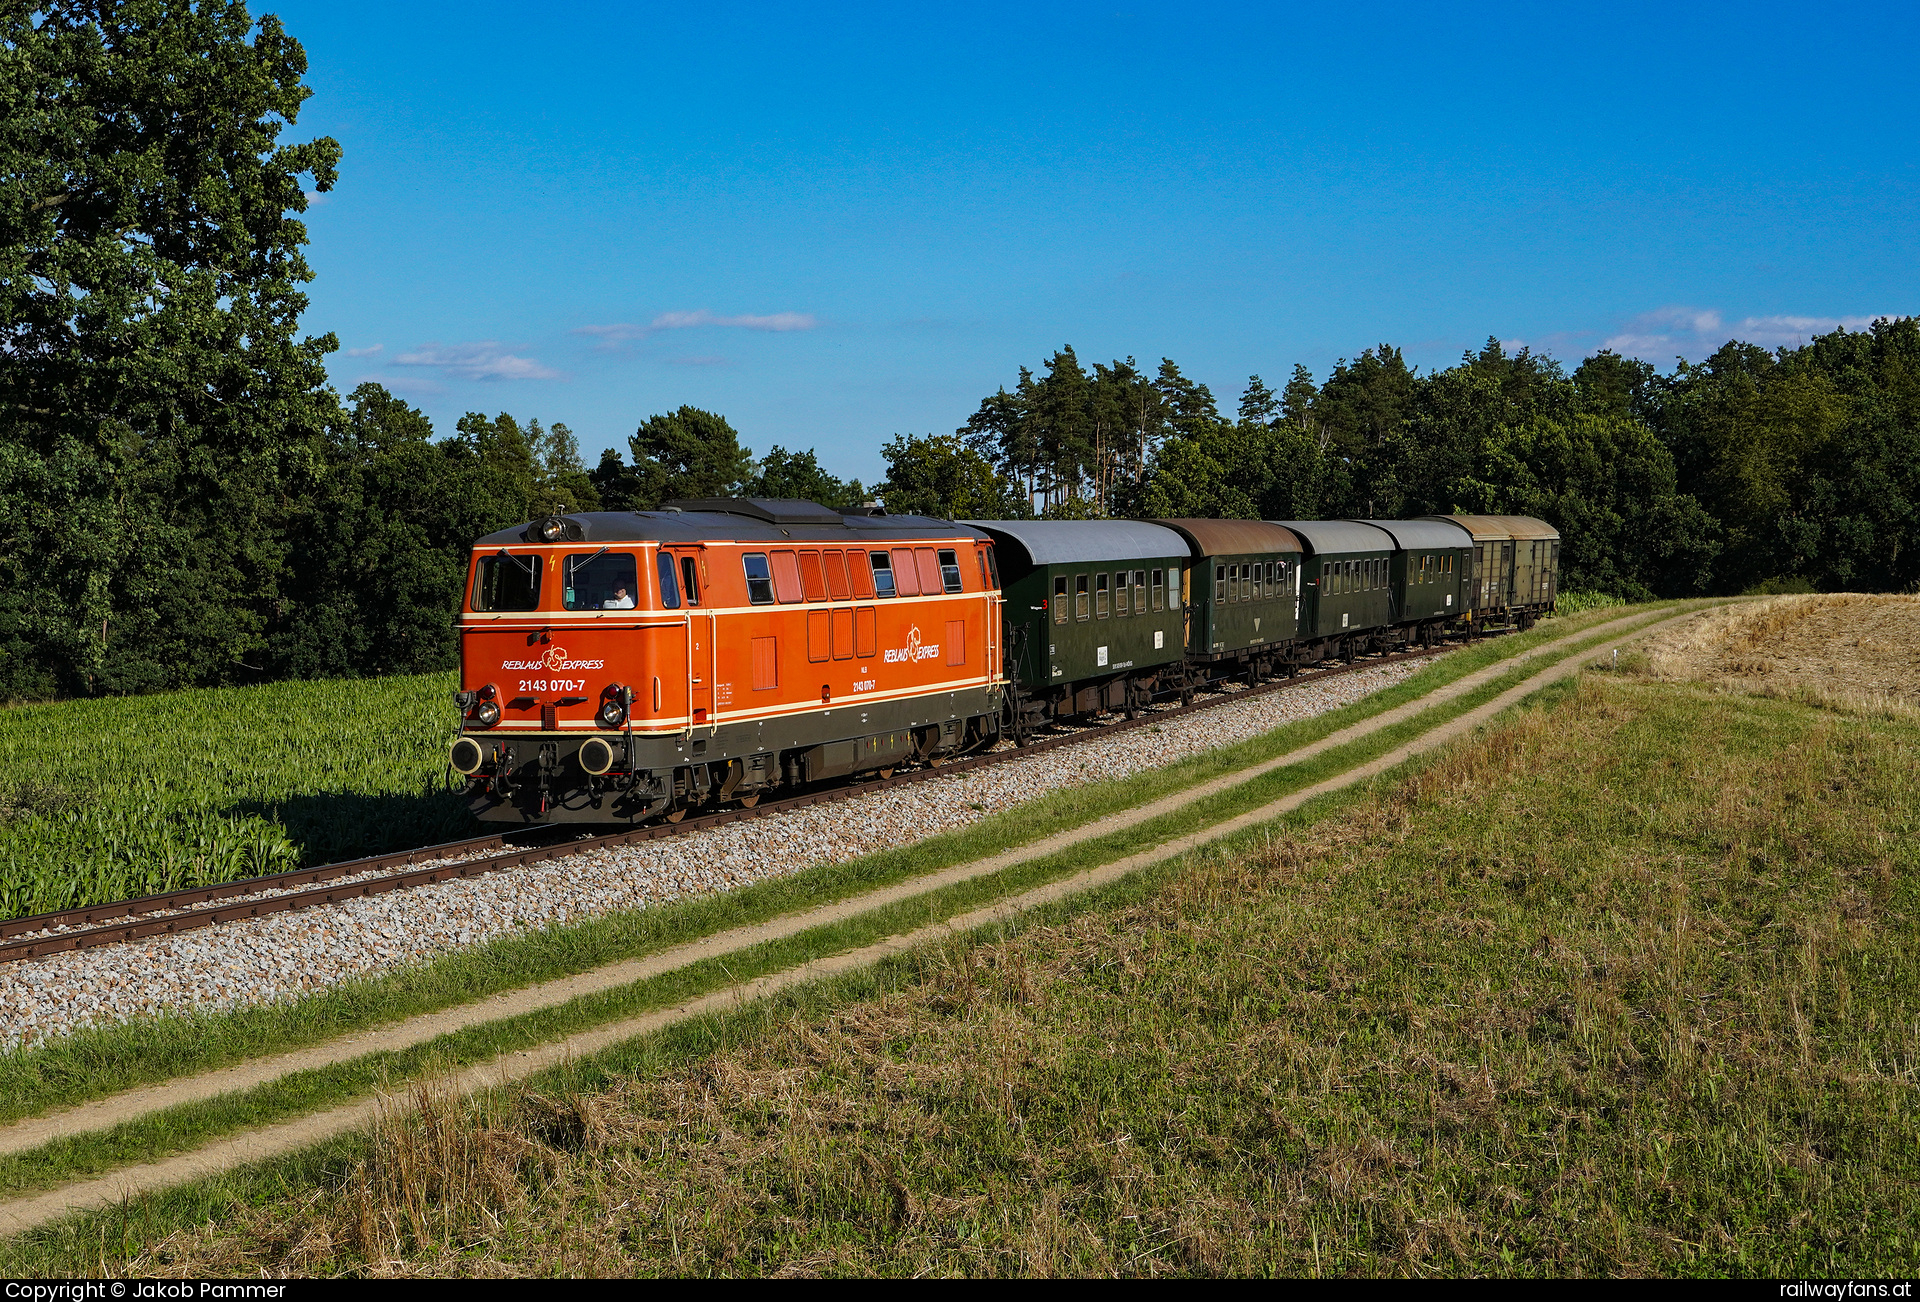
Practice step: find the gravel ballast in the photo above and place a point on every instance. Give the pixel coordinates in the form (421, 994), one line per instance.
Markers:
(287, 955)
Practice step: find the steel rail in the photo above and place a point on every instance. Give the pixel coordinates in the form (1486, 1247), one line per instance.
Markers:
(17, 941)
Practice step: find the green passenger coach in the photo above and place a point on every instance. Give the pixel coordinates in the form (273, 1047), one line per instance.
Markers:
(1242, 588)
(1428, 584)
(1092, 607)
(1344, 594)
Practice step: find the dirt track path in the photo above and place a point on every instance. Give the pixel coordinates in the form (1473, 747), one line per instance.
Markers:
(270, 1141)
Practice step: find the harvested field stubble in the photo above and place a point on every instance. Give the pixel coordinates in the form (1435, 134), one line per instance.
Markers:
(1844, 650)
(1629, 988)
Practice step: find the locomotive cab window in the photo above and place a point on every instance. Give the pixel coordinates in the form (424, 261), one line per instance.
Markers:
(759, 579)
(1060, 599)
(949, 571)
(507, 582)
(602, 580)
(690, 579)
(882, 574)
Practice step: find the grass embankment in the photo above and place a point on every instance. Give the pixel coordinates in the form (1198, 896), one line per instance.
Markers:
(107, 799)
(1628, 986)
(98, 1063)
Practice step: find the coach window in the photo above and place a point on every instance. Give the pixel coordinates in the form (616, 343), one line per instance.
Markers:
(1120, 604)
(669, 586)
(759, 579)
(836, 565)
(882, 573)
(1100, 596)
(507, 582)
(786, 577)
(1059, 598)
(949, 571)
(906, 579)
(1080, 608)
(1159, 590)
(1219, 583)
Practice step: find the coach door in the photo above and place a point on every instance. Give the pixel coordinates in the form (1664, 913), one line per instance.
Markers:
(702, 635)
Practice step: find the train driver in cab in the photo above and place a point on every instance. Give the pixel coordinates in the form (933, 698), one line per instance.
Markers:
(620, 600)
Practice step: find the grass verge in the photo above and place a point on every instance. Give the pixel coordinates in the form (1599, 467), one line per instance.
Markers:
(1665, 1023)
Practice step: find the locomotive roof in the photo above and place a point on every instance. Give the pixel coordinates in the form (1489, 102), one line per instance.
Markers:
(1067, 542)
(1428, 532)
(1232, 537)
(1339, 535)
(674, 526)
(1500, 528)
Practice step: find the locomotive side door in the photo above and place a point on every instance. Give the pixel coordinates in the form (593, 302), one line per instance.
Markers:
(702, 634)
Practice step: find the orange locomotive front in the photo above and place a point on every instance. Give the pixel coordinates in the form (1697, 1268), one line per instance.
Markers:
(619, 666)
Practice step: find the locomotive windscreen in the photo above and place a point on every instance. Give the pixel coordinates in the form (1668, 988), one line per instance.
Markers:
(507, 582)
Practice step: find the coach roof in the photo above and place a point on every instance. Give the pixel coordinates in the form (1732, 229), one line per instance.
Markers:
(1500, 528)
(1233, 537)
(1086, 542)
(1333, 536)
(1421, 535)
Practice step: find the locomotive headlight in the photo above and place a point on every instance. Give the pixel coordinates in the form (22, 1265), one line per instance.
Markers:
(486, 714)
(613, 708)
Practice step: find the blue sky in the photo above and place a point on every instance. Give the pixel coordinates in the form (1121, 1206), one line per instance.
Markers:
(837, 224)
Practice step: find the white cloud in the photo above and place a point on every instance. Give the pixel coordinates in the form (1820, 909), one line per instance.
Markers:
(1695, 333)
(775, 322)
(365, 352)
(486, 360)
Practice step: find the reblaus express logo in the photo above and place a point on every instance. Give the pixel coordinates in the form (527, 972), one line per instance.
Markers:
(914, 650)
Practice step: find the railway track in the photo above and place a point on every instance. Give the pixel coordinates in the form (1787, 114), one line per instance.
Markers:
(305, 888)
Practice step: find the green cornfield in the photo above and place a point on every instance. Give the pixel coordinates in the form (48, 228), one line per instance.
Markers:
(114, 798)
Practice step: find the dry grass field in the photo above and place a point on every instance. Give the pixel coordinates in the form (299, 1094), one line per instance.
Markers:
(1861, 651)
(1631, 987)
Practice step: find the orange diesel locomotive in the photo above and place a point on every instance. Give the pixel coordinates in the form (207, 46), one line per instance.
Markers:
(620, 666)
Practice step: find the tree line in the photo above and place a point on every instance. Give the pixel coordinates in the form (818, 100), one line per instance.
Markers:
(184, 500)
(1797, 467)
